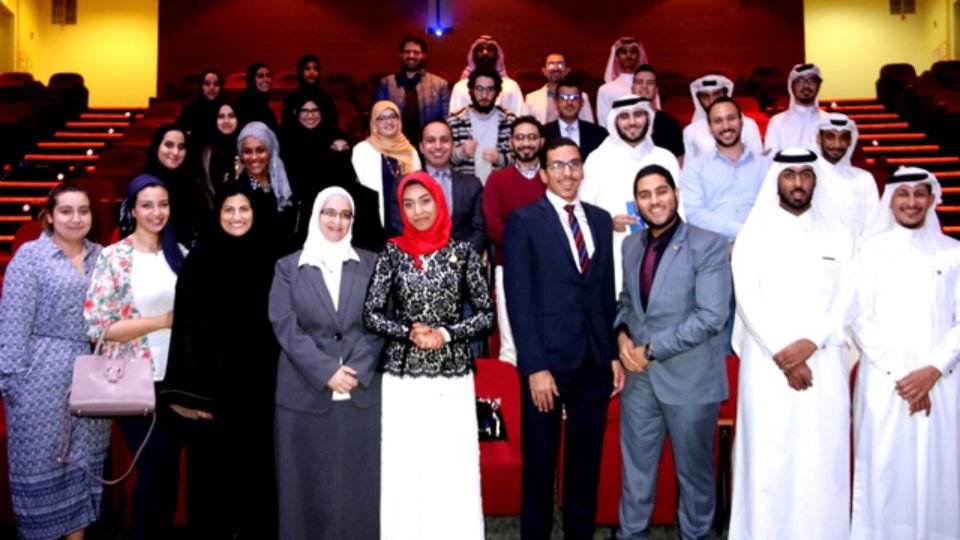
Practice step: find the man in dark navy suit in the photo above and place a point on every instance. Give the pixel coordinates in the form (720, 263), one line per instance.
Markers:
(558, 276)
(587, 135)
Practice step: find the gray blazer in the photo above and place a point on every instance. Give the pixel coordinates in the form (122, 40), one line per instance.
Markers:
(314, 336)
(688, 305)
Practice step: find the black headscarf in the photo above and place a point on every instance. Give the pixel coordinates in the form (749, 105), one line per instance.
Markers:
(311, 91)
(198, 119)
(223, 153)
(188, 203)
(304, 151)
(253, 105)
(168, 240)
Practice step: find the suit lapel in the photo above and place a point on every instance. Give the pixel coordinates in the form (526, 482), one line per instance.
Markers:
(553, 223)
(320, 288)
(347, 283)
(635, 259)
(595, 228)
(663, 269)
(456, 193)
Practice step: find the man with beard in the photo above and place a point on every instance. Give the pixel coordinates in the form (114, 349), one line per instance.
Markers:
(625, 55)
(697, 136)
(797, 126)
(906, 479)
(569, 102)
(508, 189)
(463, 192)
(541, 104)
(486, 54)
(610, 172)
(720, 186)
(675, 300)
(791, 273)
(481, 131)
(421, 96)
(854, 197)
(667, 132)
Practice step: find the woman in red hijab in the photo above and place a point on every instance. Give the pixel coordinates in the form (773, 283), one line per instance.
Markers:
(430, 483)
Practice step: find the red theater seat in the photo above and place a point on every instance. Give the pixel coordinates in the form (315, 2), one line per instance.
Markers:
(27, 232)
(500, 461)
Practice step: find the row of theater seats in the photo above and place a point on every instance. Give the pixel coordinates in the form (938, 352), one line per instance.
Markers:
(930, 101)
(29, 109)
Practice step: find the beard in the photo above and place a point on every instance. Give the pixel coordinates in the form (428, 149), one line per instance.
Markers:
(732, 143)
(483, 109)
(789, 202)
(633, 140)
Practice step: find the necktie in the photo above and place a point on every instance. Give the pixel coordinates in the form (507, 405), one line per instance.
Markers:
(569, 129)
(647, 268)
(582, 256)
(446, 183)
(411, 111)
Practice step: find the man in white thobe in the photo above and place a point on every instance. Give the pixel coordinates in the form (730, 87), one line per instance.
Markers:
(486, 53)
(853, 194)
(626, 54)
(697, 137)
(611, 169)
(906, 481)
(791, 265)
(796, 126)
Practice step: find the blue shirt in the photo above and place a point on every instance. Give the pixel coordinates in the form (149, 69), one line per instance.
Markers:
(719, 194)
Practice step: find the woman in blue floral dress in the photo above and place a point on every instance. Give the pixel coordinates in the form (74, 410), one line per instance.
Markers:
(41, 332)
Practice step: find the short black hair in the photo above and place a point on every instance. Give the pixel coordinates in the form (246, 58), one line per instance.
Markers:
(477, 73)
(552, 144)
(527, 119)
(654, 169)
(645, 68)
(413, 39)
(561, 53)
(723, 99)
(570, 83)
(436, 121)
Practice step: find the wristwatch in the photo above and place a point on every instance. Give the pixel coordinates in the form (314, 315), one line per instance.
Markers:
(648, 352)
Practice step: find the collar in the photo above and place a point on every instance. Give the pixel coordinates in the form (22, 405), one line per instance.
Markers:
(564, 124)
(434, 172)
(528, 173)
(744, 157)
(558, 204)
(666, 236)
(402, 77)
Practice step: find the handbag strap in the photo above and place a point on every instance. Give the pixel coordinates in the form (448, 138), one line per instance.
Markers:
(65, 450)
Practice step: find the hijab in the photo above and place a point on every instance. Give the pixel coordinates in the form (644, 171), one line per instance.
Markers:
(418, 243)
(168, 238)
(223, 151)
(301, 65)
(227, 246)
(398, 147)
(199, 117)
(318, 250)
(279, 183)
(187, 200)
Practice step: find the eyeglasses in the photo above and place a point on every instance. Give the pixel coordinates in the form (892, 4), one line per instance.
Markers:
(558, 166)
(345, 215)
(309, 111)
(532, 137)
(485, 89)
(809, 81)
(559, 65)
(383, 118)
(568, 97)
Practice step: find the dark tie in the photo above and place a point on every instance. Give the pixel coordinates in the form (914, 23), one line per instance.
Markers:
(411, 111)
(582, 255)
(647, 268)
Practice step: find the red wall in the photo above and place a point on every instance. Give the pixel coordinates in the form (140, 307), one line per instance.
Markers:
(360, 36)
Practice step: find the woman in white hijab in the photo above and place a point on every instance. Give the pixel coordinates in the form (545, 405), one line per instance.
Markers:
(328, 390)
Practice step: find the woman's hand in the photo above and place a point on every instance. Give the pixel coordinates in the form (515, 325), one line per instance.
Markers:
(191, 414)
(426, 338)
(344, 380)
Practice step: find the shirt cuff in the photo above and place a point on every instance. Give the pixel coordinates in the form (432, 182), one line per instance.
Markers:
(446, 335)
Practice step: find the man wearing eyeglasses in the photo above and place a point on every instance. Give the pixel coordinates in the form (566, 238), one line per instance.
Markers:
(481, 130)
(570, 102)
(797, 126)
(541, 104)
(558, 276)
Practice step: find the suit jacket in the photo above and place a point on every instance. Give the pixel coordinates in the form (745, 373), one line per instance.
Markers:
(558, 316)
(433, 95)
(467, 216)
(688, 305)
(314, 336)
(591, 135)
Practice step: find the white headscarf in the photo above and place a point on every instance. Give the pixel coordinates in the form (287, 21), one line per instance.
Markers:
(630, 103)
(802, 70)
(501, 66)
(317, 250)
(279, 184)
(707, 83)
(884, 221)
(768, 198)
(839, 122)
(613, 67)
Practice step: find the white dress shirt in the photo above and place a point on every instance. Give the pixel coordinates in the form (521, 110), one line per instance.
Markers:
(581, 215)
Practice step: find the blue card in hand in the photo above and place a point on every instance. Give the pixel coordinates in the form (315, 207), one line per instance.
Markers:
(632, 211)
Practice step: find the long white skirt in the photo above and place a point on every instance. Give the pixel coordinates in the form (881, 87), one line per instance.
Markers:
(430, 460)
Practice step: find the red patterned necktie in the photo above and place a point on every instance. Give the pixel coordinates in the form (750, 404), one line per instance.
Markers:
(582, 255)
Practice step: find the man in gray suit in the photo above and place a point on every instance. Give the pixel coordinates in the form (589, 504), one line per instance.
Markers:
(675, 300)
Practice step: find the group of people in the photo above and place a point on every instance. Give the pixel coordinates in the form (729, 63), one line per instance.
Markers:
(308, 313)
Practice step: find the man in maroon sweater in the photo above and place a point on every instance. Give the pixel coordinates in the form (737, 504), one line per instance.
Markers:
(506, 190)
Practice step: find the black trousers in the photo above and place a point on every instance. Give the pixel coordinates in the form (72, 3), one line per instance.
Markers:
(585, 397)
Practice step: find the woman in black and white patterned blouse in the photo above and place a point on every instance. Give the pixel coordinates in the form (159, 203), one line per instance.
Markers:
(430, 485)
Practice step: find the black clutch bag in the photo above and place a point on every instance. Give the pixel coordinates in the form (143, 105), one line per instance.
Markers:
(490, 420)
